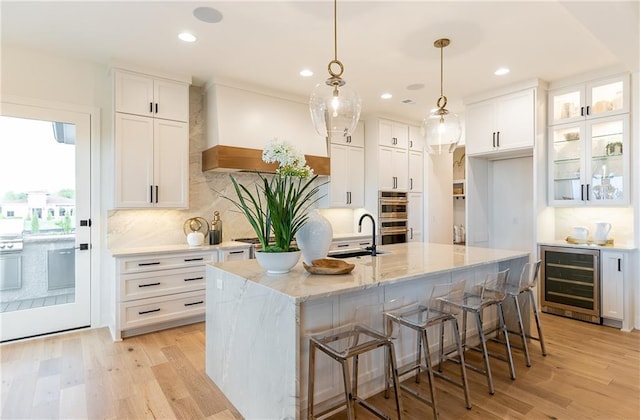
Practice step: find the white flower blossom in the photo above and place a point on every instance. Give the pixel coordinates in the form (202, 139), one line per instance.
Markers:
(290, 161)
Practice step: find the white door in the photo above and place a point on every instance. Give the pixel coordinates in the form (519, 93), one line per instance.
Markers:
(45, 203)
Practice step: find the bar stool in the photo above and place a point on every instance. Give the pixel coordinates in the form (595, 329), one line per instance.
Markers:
(491, 293)
(419, 317)
(349, 342)
(525, 284)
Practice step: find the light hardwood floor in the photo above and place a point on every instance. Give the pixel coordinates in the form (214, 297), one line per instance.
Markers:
(591, 372)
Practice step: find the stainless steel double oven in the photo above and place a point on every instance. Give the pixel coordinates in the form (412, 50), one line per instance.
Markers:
(393, 212)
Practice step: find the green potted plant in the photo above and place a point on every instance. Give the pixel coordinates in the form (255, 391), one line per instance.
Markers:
(280, 203)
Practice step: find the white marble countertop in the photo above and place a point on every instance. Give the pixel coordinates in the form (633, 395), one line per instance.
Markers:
(614, 247)
(159, 249)
(402, 262)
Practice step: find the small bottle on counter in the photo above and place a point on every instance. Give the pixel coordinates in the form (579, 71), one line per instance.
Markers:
(215, 234)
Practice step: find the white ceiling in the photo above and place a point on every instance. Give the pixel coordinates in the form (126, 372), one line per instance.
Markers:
(385, 46)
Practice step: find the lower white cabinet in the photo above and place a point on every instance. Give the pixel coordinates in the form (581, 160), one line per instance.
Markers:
(612, 284)
(157, 291)
(350, 243)
(234, 254)
(415, 217)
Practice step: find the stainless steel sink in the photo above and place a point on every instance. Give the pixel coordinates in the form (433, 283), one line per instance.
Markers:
(355, 253)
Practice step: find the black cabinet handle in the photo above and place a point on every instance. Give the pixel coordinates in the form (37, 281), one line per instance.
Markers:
(156, 194)
(619, 264)
(236, 252)
(587, 109)
(151, 193)
(587, 192)
(148, 312)
(411, 230)
(348, 139)
(151, 263)
(494, 139)
(582, 192)
(194, 278)
(410, 143)
(193, 259)
(194, 303)
(582, 111)
(149, 284)
(364, 243)
(342, 246)
(410, 183)
(498, 139)
(150, 106)
(156, 107)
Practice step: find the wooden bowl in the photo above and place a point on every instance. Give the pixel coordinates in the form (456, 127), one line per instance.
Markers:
(329, 266)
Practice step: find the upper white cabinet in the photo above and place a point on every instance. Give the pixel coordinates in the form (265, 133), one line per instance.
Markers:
(503, 123)
(416, 139)
(346, 187)
(346, 183)
(416, 171)
(598, 98)
(392, 169)
(151, 153)
(356, 139)
(151, 97)
(589, 162)
(393, 134)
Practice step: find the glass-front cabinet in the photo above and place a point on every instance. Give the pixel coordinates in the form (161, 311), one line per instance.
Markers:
(595, 99)
(589, 162)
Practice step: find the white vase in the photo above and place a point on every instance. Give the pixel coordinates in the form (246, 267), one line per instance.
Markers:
(278, 262)
(314, 237)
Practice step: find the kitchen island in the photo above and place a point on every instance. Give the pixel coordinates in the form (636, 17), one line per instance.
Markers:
(257, 325)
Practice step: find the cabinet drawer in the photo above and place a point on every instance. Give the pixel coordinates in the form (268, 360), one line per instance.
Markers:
(155, 262)
(234, 254)
(152, 284)
(349, 244)
(144, 312)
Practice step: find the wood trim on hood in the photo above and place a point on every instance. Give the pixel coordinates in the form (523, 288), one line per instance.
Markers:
(230, 159)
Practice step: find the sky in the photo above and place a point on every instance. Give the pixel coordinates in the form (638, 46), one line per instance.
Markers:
(31, 159)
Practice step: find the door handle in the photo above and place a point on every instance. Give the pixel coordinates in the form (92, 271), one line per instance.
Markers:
(619, 264)
(494, 139)
(582, 192)
(83, 247)
(156, 194)
(498, 139)
(587, 192)
(151, 194)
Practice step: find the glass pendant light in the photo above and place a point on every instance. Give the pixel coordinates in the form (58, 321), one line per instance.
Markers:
(335, 107)
(441, 128)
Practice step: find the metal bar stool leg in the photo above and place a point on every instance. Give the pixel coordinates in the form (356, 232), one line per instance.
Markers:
(463, 370)
(485, 353)
(503, 325)
(523, 335)
(432, 382)
(310, 379)
(418, 356)
(441, 347)
(537, 317)
(394, 375)
(347, 390)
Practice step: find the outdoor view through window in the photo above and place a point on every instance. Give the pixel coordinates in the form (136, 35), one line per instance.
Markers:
(37, 213)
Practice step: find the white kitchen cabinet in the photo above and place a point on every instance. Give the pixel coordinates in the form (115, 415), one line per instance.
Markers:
(157, 291)
(594, 99)
(415, 222)
(612, 284)
(234, 254)
(151, 162)
(416, 171)
(355, 139)
(392, 163)
(393, 134)
(416, 139)
(589, 162)
(346, 187)
(149, 96)
(503, 123)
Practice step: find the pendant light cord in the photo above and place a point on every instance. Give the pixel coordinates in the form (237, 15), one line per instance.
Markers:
(441, 71)
(335, 30)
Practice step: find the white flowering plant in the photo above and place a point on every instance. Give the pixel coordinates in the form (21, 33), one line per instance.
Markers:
(280, 204)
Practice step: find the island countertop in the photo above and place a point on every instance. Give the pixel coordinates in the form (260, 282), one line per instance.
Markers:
(400, 262)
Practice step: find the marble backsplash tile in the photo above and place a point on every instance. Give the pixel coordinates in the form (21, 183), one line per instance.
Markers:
(621, 219)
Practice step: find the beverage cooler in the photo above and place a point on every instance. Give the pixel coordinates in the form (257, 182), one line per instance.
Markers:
(570, 283)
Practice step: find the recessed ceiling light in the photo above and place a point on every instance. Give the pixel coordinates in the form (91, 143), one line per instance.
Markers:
(501, 71)
(187, 37)
(408, 101)
(386, 95)
(415, 86)
(207, 14)
(306, 73)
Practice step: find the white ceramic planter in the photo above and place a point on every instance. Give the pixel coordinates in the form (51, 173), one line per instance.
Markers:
(278, 262)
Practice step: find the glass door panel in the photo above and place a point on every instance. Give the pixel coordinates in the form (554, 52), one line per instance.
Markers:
(44, 192)
(606, 98)
(607, 163)
(566, 162)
